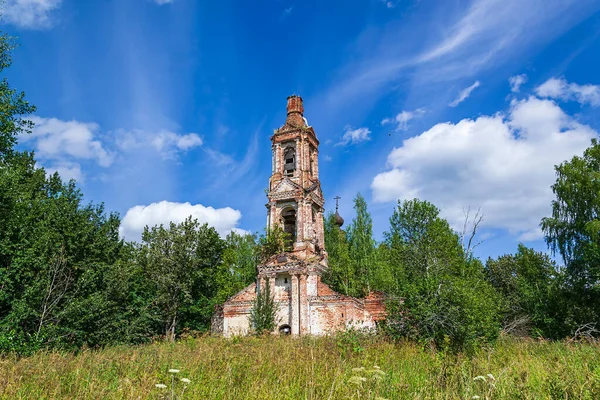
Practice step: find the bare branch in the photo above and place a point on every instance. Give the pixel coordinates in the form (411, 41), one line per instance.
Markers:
(469, 231)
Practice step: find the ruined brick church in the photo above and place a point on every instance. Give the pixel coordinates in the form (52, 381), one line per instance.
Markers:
(295, 202)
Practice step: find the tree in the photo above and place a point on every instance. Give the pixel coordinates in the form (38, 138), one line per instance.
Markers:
(340, 274)
(362, 246)
(181, 261)
(13, 105)
(53, 251)
(238, 268)
(573, 231)
(264, 311)
(445, 296)
(529, 283)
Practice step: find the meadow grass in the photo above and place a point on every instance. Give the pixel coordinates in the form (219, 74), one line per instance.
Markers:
(308, 368)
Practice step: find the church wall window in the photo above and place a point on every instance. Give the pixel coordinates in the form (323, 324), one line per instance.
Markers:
(288, 217)
(289, 161)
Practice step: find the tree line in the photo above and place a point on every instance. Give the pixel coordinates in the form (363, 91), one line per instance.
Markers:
(439, 292)
(68, 280)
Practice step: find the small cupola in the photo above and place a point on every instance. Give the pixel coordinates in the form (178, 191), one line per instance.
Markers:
(339, 221)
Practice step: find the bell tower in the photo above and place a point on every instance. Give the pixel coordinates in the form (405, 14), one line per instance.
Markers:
(296, 205)
(295, 197)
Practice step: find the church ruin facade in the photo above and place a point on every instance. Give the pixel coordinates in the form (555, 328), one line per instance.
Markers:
(295, 202)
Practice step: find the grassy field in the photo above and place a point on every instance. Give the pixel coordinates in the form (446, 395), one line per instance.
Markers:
(307, 368)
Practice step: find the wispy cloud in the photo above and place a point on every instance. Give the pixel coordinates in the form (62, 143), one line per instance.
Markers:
(486, 33)
(401, 120)
(464, 94)
(355, 136)
(30, 14)
(516, 81)
(390, 4)
(161, 2)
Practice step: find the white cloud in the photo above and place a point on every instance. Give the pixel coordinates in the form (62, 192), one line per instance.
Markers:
(30, 14)
(161, 2)
(563, 90)
(222, 219)
(355, 136)
(168, 141)
(401, 120)
(464, 94)
(60, 145)
(67, 171)
(516, 81)
(501, 163)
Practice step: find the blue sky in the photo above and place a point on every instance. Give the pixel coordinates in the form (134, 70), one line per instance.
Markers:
(161, 109)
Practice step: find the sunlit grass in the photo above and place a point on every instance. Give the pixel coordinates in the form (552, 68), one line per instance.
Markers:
(307, 368)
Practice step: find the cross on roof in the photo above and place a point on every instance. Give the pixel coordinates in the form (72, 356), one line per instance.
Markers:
(336, 202)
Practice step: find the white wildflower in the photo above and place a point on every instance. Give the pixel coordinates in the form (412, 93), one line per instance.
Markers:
(479, 378)
(173, 371)
(185, 380)
(357, 380)
(475, 397)
(161, 386)
(377, 372)
(491, 377)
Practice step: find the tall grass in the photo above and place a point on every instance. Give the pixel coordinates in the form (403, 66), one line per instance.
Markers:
(308, 368)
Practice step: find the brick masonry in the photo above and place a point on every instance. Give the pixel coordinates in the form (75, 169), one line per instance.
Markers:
(295, 201)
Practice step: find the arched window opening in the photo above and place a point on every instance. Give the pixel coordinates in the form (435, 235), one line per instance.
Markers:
(289, 225)
(289, 165)
(285, 330)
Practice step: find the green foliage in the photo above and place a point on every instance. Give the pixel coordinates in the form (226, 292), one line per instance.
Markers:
(362, 246)
(238, 268)
(274, 241)
(263, 315)
(181, 261)
(573, 232)
(277, 367)
(55, 254)
(13, 105)
(529, 283)
(442, 297)
(341, 274)
(354, 266)
(349, 342)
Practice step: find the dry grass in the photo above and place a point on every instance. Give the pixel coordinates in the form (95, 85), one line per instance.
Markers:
(307, 368)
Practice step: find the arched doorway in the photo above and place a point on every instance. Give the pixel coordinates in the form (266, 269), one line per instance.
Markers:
(285, 330)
